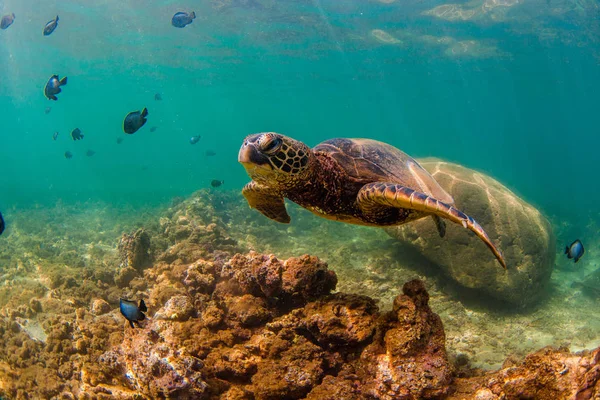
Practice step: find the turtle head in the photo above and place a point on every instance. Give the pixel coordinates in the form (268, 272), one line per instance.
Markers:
(275, 160)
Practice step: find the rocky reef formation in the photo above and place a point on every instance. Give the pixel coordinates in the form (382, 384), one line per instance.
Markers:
(548, 374)
(228, 323)
(134, 254)
(521, 232)
(254, 327)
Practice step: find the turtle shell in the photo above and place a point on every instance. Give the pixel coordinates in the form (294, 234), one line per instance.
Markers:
(366, 161)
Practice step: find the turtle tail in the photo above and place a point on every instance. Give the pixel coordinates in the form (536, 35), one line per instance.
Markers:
(398, 196)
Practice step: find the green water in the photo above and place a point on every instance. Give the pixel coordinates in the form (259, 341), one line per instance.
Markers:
(522, 106)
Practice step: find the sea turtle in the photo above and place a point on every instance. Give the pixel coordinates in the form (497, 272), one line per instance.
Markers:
(357, 181)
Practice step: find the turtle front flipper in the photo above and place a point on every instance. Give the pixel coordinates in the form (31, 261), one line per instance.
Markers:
(374, 195)
(267, 201)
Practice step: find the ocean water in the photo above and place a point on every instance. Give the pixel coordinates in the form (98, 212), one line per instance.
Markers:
(510, 88)
(519, 102)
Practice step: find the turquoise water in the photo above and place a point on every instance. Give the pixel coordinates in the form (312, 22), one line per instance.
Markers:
(521, 106)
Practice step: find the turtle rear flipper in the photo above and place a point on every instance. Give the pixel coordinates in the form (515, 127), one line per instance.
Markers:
(270, 204)
(393, 195)
(440, 225)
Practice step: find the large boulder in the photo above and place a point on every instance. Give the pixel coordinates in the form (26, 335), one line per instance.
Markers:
(518, 229)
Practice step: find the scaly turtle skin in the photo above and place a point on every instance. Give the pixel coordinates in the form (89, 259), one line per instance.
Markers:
(357, 181)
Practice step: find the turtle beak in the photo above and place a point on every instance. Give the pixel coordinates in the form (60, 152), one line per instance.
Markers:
(250, 157)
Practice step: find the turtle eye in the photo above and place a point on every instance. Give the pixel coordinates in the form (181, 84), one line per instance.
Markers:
(272, 145)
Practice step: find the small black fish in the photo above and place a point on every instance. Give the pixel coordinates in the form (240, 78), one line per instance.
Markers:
(132, 312)
(216, 183)
(210, 153)
(182, 19)
(68, 154)
(2, 226)
(53, 87)
(134, 121)
(47, 110)
(153, 129)
(54, 135)
(195, 139)
(158, 97)
(119, 140)
(76, 134)
(90, 153)
(575, 250)
(7, 21)
(50, 26)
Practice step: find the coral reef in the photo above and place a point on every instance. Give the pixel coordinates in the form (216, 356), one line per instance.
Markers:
(268, 329)
(223, 325)
(521, 232)
(226, 322)
(547, 374)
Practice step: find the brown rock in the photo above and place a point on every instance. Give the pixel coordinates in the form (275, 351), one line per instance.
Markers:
(134, 250)
(305, 278)
(237, 393)
(520, 231)
(296, 280)
(341, 320)
(248, 310)
(292, 375)
(547, 374)
(336, 388)
(159, 368)
(99, 307)
(233, 364)
(212, 316)
(124, 276)
(200, 277)
(256, 274)
(267, 275)
(408, 360)
(177, 308)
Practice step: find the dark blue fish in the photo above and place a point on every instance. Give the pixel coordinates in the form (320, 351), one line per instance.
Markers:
(195, 139)
(119, 140)
(216, 183)
(1, 224)
(76, 134)
(55, 136)
(132, 312)
(134, 121)
(7, 21)
(157, 97)
(575, 250)
(50, 26)
(47, 110)
(53, 87)
(90, 153)
(210, 153)
(68, 155)
(182, 19)
(153, 129)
